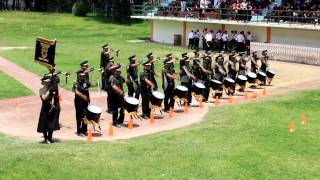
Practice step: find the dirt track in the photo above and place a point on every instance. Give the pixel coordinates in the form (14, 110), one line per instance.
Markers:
(19, 116)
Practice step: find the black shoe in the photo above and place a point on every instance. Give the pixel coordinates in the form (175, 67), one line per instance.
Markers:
(45, 142)
(145, 117)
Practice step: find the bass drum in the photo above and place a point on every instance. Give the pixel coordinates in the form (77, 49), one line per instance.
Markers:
(157, 98)
(181, 92)
(198, 88)
(131, 104)
(270, 73)
(93, 113)
(251, 77)
(228, 82)
(215, 84)
(241, 80)
(261, 76)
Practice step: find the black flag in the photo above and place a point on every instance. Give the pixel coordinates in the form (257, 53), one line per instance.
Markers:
(45, 52)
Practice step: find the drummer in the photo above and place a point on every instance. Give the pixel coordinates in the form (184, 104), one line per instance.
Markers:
(168, 77)
(220, 70)
(254, 62)
(81, 102)
(84, 69)
(206, 73)
(186, 77)
(232, 67)
(116, 96)
(132, 76)
(146, 86)
(264, 61)
(242, 64)
(104, 60)
(151, 60)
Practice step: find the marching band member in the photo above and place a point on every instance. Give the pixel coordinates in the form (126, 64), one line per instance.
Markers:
(48, 121)
(151, 60)
(220, 70)
(108, 71)
(104, 60)
(146, 86)
(116, 96)
(232, 67)
(132, 73)
(168, 77)
(186, 77)
(254, 62)
(242, 65)
(264, 61)
(207, 72)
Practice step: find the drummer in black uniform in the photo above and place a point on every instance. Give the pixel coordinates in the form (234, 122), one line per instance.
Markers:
(242, 64)
(186, 78)
(47, 120)
(168, 85)
(264, 61)
(116, 96)
(151, 60)
(207, 74)
(104, 60)
(81, 101)
(132, 73)
(254, 62)
(146, 86)
(220, 70)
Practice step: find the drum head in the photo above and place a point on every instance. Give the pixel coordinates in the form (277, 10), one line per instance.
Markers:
(270, 71)
(252, 75)
(199, 85)
(229, 80)
(262, 74)
(242, 77)
(216, 81)
(158, 94)
(94, 109)
(132, 100)
(182, 88)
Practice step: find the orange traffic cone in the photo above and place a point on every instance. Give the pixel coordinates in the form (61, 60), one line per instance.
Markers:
(186, 108)
(246, 95)
(304, 119)
(216, 102)
(60, 98)
(201, 104)
(230, 99)
(151, 120)
(254, 95)
(110, 132)
(89, 136)
(291, 127)
(130, 123)
(170, 113)
(264, 92)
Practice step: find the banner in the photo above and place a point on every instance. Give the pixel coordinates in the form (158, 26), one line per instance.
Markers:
(45, 52)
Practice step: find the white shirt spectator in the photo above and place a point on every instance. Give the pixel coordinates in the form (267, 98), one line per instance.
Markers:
(203, 4)
(240, 38)
(209, 37)
(234, 36)
(243, 5)
(191, 35)
(250, 37)
(218, 36)
(197, 34)
(225, 37)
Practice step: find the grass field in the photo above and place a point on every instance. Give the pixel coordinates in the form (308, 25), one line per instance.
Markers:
(12, 88)
(249, 141)
(78, 39)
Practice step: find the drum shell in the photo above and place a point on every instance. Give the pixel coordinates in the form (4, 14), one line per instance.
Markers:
(130, 107)
(227, 83)
(241, 82)
(261, 77)
(180, 94)
(251, 79)
(214, 85)
(270, 74)
(197, 90)
(156, 101)
(91, 116)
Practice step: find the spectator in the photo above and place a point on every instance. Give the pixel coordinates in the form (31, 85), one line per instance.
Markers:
(225, 39)
(191, 37)
(183, 4)
(196, 39)
(240, 42)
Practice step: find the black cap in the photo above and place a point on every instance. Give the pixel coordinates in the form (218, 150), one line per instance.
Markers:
(184, 54)
(84, 63)
(105, 46)
(147, 63)
(168, 61)
(265, 51)
(148, 55)
(169, 55)
(132, 57)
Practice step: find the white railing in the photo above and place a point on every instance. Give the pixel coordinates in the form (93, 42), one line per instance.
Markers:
(289, 53)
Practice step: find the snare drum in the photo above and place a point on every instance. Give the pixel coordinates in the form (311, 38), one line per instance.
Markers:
(228, 82)
(241, 80)
(131, 104)
(181, 92)
(251, 77)
(198, 88)
(261, 76)
(93, 113)
(215, 84)
(270, 73)
(157, 98)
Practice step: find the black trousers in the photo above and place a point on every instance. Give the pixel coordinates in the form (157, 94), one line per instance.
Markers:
(191, 43)
(196, 43)
(189, 86)
(169, 98)
(145, 95)
(118, 116)
(132, 92)
(207, 90)
(240, 46)
(81, 108)
(48, 135)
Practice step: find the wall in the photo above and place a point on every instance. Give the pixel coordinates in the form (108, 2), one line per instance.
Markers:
(164, 31)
